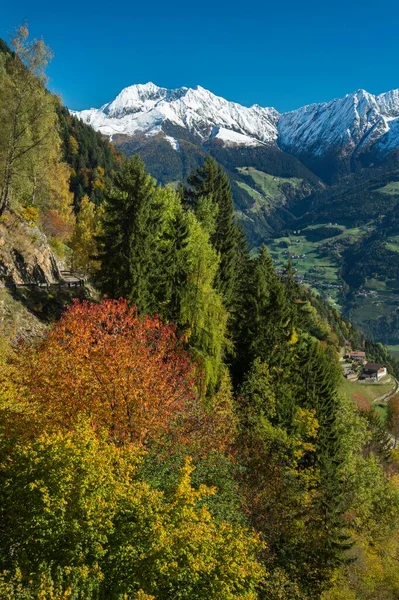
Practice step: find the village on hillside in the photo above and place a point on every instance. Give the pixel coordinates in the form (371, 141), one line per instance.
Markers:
(356, 367)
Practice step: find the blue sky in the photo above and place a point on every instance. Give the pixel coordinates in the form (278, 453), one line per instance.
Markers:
(283, 54)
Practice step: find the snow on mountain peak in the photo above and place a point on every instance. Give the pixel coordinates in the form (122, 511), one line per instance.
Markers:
(345, 125)
(389, 103)
(139, 97)
(144, 108)
(352, 123)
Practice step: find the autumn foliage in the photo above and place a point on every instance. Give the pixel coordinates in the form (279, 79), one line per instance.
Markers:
(126, 372)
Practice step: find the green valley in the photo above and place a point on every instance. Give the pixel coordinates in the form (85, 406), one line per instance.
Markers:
(344, 244)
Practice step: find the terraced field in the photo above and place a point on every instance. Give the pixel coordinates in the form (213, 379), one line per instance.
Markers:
(391, 188)
(316, 254)
(270, 191)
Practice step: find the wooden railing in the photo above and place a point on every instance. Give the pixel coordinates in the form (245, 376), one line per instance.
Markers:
(76, 280)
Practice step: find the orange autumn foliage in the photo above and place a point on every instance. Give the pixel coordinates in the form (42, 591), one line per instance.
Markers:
(128, 373)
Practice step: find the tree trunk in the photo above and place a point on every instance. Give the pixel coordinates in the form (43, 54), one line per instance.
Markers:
(5, 192)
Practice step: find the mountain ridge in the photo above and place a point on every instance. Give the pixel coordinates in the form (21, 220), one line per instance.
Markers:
(144, 108)
(344, 130)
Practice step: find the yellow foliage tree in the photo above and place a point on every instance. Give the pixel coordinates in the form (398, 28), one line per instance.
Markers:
(56, 202)
(73, 145)
(32, 173)
(83, 241)
(27, 118)
(78, 522)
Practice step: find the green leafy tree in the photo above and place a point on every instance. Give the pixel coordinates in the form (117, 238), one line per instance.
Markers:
(58, 501)
(371, 516)
(77, 521)
(203, 316)
(27, 119)
(184, 553)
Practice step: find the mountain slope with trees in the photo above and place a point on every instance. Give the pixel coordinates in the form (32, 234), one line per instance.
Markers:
(274, 163)
(183, 436)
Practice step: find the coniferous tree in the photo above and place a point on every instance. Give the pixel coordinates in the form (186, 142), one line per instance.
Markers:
(174, 273)
(210, 181)
(128, 249)
(380, 442)
(315, 382)
(279, 476)
(160, 258)
(265, 324)
(291, 286)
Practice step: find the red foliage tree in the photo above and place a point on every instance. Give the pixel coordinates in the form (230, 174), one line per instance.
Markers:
(127, 372)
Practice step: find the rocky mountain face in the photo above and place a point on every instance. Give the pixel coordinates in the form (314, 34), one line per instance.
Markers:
(331, 139)
(336, 137)
(25, 255)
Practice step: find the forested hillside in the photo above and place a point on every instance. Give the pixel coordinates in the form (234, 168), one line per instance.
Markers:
(91, 158)
(344, 239)
(183, 435)
(266, 182)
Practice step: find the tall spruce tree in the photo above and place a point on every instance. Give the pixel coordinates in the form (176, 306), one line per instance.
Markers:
(211, 181)
(173, 277)
(128, 249)
(315, 382)
(265, 326)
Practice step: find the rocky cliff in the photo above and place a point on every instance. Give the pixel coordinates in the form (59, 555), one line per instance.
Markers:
(25, 255)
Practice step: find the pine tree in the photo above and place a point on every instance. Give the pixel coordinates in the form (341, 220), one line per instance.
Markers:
(174, 273)
(380, 442)
(315, 382)
(128, 248)
(265, 324)
(257, 399)
(210, 181)
(291, 286)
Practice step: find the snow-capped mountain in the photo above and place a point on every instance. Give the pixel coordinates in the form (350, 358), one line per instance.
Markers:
(330, 136)
(146, 108)
(353, 123)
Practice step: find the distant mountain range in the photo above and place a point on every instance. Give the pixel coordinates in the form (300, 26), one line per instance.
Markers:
(331, 139)
(147, 108)
(173, 130)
